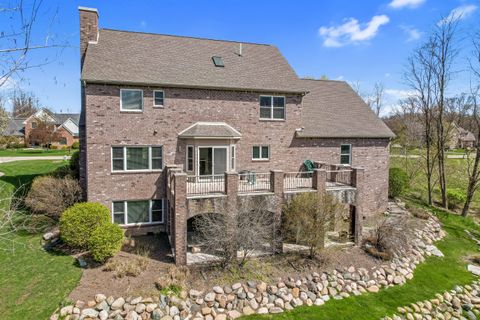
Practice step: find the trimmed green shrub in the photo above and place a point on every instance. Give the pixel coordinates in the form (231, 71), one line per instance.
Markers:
(456, 198)
(105, 241)
(75, 164)
(397, 182)
(78, 222)
(53, 147)
(76, 145)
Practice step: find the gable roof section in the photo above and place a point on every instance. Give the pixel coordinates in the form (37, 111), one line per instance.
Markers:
(332, 109)
(124, 57)
(210, 130)
(15, 128)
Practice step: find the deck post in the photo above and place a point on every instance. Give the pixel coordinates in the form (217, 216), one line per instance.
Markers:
(358, 183)
(276, 185)
(179, 222)
(231, 207)
(319, 181)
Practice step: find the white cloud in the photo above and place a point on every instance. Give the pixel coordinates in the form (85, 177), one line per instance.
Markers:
(412, 33)
(460, 13)
(351, 31)
(398, 94)
(399, 4)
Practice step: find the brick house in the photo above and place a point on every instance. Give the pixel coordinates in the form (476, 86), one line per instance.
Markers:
(64, 125)
(172, 127)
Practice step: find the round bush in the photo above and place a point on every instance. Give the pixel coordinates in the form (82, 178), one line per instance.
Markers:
(105, 241)
(397, 182)
(75, 145)
(77, 223)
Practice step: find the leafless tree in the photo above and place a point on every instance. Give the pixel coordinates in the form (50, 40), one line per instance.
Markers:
(473, 167)
(17, 38)
(387, 238)
(24, 104)
(375, 100)
(4, 117)
(442, 45)
(247, 229)
(307, 217)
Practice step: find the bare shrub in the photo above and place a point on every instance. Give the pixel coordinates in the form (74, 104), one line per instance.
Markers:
(130, 267)
(419, 213)
(307, 217)
(248, 228)
(51, 196)
(386, 239)
(175, 279)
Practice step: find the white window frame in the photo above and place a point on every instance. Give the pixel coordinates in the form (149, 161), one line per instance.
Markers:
(159, 105)
(121, 104)
(260, 153)
(271, 118)
(193, 159)
(233, 158)
(349, 154)
(125, 158)
(150, 205)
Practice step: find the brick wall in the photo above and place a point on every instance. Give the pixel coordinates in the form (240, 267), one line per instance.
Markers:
(106, 125)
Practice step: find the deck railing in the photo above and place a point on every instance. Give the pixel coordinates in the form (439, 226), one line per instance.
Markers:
(340, 177)
(204, 185)
(298, 180)
(252, 182)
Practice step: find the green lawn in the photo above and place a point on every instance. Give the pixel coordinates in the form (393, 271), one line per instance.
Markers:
(33, 152)
(435, 275)
(457, 177)
(32, 281)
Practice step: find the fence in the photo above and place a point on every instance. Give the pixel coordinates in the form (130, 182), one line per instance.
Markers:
(340, 177)
(252, 182)
(298, 180)
(204, 185)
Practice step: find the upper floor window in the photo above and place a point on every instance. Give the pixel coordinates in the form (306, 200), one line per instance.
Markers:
(131, 100)
(189, 158)
(261, 153)
(137, 158)
(158, 97)
(346, 154)
(272, 107)
(34, 125)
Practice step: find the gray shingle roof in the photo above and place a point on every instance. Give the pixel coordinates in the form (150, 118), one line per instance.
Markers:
(164, 60)
(62, 117)
(332, 109)
(210, 130)
(14, 128)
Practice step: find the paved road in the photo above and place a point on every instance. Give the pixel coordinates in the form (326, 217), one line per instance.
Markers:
(416, 156)
(10, 159)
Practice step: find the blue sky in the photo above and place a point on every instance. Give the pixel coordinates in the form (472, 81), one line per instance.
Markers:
(356, 41)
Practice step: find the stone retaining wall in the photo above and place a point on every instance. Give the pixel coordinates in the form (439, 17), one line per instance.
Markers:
(231, 302)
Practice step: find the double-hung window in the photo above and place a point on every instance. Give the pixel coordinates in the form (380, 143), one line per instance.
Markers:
(190, 158)
(232, 158)
(346, 154)
(131, 100)
(272, 107)
(158, 98)
(137, 158)
(138, 211)
(261, 153)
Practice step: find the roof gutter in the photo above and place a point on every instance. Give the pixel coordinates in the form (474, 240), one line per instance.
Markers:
(151, 84)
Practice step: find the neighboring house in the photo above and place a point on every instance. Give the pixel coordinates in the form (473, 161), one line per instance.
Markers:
(64, 125)
(15, 131)
(172, 127)
(460, 138)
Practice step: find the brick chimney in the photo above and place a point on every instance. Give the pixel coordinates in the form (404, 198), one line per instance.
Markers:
(88, 29)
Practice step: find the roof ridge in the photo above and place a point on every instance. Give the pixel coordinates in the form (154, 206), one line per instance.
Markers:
(330, 80)
(189, 37)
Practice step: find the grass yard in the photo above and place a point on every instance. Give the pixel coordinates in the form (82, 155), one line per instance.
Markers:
(32, 281)
(33, 152)
(435, 275)
(456, 170)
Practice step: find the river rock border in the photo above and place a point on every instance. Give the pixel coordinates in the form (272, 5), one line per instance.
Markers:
(463, 302)
(231, 302)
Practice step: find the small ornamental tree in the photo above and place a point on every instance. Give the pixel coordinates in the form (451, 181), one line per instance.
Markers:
(78, 223)
(307, 217)
(397, 182)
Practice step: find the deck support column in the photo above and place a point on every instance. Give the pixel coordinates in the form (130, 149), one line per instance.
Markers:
(179, 234)
(231, 207)
(276, 185)
(358, 183)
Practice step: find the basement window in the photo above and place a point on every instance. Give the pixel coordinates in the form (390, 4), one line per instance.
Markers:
(218, 61)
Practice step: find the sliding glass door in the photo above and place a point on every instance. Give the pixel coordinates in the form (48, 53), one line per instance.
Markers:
(212, 160)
